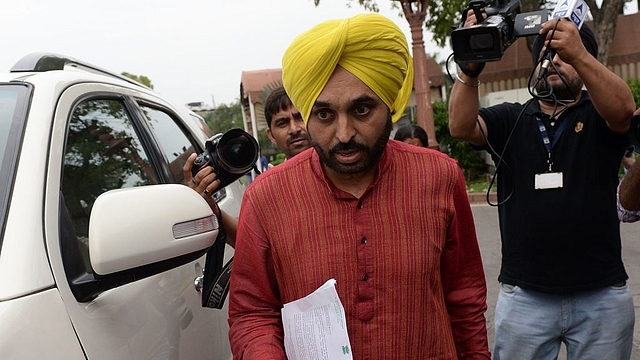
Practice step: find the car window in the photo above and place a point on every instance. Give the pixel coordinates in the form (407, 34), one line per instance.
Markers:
(102, 153)
(174, 143)
(172, 140)
(13, 109)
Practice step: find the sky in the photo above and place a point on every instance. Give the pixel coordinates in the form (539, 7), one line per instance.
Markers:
(192, 50)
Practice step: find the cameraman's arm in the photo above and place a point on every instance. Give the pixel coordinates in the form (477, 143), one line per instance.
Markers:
(464, 121)
(464, 102)
(205, 184)
(610, 95)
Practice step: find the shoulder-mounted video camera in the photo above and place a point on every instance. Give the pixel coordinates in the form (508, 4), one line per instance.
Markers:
(488, 40)
(231, 155)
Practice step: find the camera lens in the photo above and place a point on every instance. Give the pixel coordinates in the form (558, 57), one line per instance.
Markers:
(481, 42)
(238, 151)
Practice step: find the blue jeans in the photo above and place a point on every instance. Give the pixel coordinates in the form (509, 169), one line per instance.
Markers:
(594, 324)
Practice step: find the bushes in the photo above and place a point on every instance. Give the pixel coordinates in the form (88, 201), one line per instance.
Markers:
(634, 85)
(470, 160)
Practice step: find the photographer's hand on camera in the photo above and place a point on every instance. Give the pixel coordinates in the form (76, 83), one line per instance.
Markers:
(471, 70)
(205, 183)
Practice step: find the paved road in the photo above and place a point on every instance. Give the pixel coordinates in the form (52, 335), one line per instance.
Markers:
(486, 218)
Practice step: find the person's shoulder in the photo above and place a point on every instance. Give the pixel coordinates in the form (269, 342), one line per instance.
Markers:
(509, 106)
(418, 153)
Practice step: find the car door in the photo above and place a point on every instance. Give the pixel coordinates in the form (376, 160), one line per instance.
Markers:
(103, 140)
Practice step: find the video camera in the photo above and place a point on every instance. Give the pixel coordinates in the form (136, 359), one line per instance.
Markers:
(488, 40)
(231, 155)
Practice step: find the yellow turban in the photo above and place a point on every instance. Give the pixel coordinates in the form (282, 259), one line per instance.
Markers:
(369, 46)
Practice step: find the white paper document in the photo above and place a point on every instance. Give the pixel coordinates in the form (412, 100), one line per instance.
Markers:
(315, 326)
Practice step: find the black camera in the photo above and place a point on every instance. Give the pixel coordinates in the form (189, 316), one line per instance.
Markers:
(231, 154)
(488, 40)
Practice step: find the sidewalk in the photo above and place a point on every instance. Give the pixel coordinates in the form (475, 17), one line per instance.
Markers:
(481, 197)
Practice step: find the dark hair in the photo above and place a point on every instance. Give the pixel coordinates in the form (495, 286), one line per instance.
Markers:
(412, 131)
(277, 100)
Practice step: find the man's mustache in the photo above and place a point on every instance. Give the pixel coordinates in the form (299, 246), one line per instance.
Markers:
(351, 145)
(296, 137)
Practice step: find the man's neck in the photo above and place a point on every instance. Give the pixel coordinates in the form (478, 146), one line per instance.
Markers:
(354, 184)
(549, 107)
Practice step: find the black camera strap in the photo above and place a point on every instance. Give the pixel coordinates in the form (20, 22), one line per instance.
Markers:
(216, 277)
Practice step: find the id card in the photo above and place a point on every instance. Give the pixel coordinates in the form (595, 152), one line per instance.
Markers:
(548, 180)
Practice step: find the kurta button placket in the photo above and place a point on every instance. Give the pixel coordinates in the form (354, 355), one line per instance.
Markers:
(365, 258)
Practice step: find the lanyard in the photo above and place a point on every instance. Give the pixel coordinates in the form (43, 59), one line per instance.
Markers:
(545, 137)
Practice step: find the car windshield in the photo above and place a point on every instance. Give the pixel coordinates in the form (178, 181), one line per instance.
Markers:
(13, 109)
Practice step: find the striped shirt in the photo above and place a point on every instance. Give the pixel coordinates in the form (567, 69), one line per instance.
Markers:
(405, 257)
(625, 215)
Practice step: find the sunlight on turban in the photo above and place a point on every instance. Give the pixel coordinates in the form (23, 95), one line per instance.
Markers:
(369, 46)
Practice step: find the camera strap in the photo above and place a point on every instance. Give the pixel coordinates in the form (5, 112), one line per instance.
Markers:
(216, 277)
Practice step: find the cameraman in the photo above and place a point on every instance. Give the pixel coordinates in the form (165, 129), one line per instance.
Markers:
(285, 129)
(562, 277)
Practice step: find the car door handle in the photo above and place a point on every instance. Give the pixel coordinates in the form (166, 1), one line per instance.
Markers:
(198, 283)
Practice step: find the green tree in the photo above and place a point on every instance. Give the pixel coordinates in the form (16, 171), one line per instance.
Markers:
(472, 164)
(634, 85)
(225, 117)
(139, 78)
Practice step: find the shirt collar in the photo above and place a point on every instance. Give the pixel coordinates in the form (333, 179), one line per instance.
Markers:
(534, 108)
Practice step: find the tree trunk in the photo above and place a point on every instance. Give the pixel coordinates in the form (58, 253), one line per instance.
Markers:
(605, 21)
(415, 12)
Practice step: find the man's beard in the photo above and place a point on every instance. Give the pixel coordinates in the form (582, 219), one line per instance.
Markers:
(371, 154)
(561, 91)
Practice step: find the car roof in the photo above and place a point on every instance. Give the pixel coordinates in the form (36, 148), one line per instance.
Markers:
(43, 68)
(55, 73)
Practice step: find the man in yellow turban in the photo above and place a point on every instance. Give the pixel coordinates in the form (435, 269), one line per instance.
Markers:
(390, 222)
(379, 58)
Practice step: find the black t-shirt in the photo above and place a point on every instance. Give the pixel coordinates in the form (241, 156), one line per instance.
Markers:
(566, 239)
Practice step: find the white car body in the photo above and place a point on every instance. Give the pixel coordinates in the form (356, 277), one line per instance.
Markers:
(151, 309)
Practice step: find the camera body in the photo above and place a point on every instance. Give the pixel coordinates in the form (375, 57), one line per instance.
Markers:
(231, 154)
(488, 40)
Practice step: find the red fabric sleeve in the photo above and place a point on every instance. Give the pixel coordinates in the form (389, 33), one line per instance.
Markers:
(254, 303)
(464, 284)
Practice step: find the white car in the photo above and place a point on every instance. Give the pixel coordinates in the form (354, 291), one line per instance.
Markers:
(100, 244)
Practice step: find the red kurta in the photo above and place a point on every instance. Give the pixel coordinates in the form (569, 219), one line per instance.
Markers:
(405, 257)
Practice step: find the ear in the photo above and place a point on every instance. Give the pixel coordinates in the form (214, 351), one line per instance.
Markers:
(273, 141)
